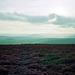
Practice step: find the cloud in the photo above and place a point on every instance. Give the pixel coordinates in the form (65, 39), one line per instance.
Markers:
(10, 17)
(22, 17)
(51, 19)
(62, 20)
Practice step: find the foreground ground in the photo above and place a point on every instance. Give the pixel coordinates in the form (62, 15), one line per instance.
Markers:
(56, 59)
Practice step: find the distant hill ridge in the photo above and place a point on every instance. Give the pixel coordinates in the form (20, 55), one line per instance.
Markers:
(34, 40)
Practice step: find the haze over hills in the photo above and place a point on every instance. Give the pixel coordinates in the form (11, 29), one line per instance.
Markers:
(37, 39)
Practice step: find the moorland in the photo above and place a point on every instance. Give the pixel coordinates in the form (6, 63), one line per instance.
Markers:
(37, 59)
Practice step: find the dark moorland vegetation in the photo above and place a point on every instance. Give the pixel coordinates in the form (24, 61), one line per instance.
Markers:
(37, 59)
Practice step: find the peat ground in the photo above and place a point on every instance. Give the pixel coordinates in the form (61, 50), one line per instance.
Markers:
(37, 59)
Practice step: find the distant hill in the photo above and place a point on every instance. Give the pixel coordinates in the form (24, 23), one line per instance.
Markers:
(34, 40)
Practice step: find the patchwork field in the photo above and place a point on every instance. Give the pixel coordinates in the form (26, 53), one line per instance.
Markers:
(37, 59)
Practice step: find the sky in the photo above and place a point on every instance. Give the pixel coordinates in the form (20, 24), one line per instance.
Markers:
(37, 17)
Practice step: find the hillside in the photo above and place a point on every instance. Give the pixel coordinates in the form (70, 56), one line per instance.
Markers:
(41, 59)
(34, 40)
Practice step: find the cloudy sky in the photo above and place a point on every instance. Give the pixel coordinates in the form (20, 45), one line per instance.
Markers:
(37, 17)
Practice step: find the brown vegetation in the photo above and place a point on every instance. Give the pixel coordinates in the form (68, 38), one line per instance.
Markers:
(37, 59)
